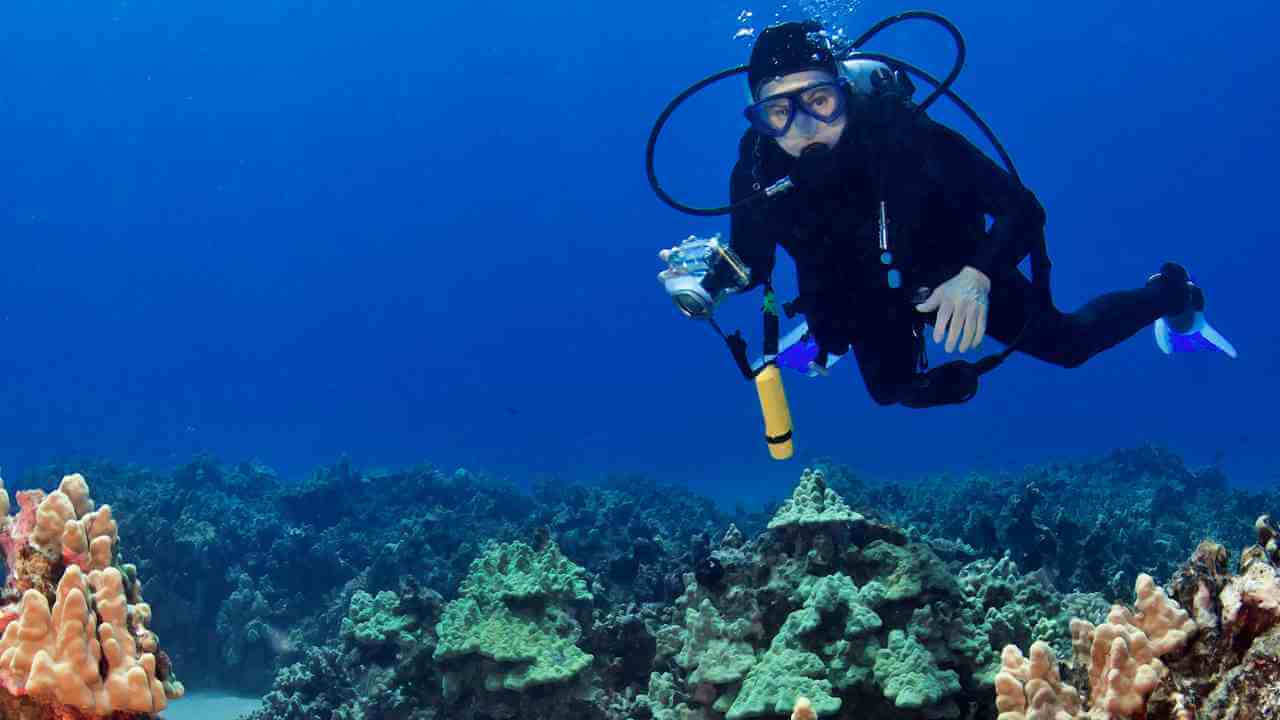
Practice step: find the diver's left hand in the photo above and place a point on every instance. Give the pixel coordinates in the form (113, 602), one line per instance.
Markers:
(961, 303)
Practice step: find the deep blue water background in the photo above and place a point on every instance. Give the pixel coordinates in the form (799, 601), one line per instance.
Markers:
(421, 231)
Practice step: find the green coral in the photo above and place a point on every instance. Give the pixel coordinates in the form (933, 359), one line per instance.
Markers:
(836, 594)
(373, 621)
(783, 674)
(812, 503)
(791, 668)
(950, 634)
(908, 572)
(850, 661)
(716, 651)
(661, 699)
(516, 610)
(908, 675)
(515, 571)
(1004, 607)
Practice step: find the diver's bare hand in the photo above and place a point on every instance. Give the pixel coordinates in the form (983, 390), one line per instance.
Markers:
(961, 303)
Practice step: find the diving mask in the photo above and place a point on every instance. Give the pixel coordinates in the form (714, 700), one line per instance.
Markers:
(773, 116)
(693, 260)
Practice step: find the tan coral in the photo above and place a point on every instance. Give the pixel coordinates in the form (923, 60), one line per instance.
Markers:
(803, 710)
(1081, 642)
(90, 541)
(1123, 666)
(1211, 679)
(1124, 652)
(92, 651)
(1032, 689)
(1121, 661)
(52, 655)
(56, 655)
(1123, 672)
(131, 679)
(23, 638)
(77, 491)
(66, 670)
(52, 515)
(1166, 624)
(139, 619)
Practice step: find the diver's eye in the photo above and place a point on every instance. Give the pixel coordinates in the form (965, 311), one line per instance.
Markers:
(819, 98)
(778, 114)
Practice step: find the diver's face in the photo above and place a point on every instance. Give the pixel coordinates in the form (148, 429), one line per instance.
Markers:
(805, 130)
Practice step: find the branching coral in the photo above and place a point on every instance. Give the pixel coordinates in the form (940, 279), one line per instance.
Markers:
(1032, 689)
(74, 625)
(1148, 663)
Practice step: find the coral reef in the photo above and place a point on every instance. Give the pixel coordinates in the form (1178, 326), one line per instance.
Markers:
(1091, 526)
(515, 625)
(1212, 653)
(266, 567)
(75, 642)
(252, 568)
(381, 667)
(826, 604)
(635, 536)
(625, 600)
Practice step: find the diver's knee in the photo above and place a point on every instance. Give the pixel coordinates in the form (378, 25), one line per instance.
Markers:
(1058, 340)
(883, 399)
(1071, 362)
(1073, 356)
(884, 394)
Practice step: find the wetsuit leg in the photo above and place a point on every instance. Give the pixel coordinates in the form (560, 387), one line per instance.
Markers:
(887, 349)
(886, 346)
(1069, 339)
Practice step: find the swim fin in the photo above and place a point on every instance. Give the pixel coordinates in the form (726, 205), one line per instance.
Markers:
(1189, 331)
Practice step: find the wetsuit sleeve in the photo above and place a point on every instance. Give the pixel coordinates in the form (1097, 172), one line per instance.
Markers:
(752, 232)
(973, 181)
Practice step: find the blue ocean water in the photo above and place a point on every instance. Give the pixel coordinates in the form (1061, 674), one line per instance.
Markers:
(413, 232)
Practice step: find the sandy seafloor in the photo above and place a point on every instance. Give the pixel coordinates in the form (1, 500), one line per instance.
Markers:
(209, 706)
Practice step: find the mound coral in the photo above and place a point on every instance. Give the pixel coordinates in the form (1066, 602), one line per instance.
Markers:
(75, 641)
(515, 624)
(826, 604)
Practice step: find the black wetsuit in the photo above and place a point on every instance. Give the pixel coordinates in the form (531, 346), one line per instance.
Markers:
(939, 192)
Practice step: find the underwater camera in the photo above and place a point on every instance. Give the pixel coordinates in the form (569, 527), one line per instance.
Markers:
(688, 264)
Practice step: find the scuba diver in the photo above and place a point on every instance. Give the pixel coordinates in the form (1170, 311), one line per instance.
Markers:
(896, 222)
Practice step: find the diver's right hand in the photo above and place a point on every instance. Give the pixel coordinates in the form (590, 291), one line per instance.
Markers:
(961, 306)
(687, 292)
(701, 271)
